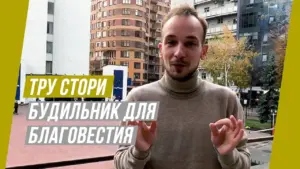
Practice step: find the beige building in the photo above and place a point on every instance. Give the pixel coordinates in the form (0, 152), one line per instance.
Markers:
(127, 32)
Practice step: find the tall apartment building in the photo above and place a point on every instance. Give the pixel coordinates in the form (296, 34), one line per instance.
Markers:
(218, 13)
(257, 19)
(56, 39)
(127, 32)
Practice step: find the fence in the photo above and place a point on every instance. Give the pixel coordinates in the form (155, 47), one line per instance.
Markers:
(100, 159)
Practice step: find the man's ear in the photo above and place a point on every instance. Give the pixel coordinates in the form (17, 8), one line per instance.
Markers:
(160, 48)
(204, 52)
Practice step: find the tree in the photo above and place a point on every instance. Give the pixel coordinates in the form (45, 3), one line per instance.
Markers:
(228, 60)
(268, 103)
(279, 34)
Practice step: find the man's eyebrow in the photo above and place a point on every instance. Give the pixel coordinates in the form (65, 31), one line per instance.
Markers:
(192, 38)
(170, 36)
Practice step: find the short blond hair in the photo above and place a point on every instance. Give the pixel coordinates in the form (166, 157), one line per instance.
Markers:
(186, 10)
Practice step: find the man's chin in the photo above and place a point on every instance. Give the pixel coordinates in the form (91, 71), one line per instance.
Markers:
(179, 76)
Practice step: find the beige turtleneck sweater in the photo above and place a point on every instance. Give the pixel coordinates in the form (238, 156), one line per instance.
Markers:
(183, 133)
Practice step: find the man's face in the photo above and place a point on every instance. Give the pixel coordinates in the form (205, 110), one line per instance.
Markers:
(181, 47)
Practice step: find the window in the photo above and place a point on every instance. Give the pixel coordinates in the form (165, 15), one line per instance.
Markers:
(271, 19)
(206, 9)
(251, 2)
(220, 20)
(139, 2)
(124, 33)
(138, 34)
(49, 47)
(126, 1)
(104, 44)
(138, 12)
(124, 63)
(104, 14)
(137, 65)
(138, 55)
(249, 20)
(48, 67)
(145, 66)
(138, 23)
(139, 45)
(104, 34)
(234, 21)
(144, 75)
(136, 75)
(264, 57)
(125, 22)
(104, 3)
(98, 44)
(98, 34)
(203, 76)
(125, 54)
(50, 8)
(99, 15)
(126, 11)
(265, 39)
(49, 27)
(125, 43)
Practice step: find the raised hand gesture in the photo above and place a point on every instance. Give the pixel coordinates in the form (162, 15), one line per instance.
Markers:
(226, 134)
(145, 135)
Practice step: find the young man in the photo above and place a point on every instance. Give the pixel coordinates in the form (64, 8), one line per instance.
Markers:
(199, 124)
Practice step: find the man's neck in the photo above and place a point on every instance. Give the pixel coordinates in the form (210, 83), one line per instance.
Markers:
(188, 86)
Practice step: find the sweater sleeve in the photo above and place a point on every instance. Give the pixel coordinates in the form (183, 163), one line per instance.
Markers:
(240, 156)
(128, 157)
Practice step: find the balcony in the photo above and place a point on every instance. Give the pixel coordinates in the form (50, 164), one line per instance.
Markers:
(154, 9)
(217, 30)
(220, 12)
(198, 2)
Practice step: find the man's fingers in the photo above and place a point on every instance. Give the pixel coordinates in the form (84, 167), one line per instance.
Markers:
(233, 121)
(227, 122)
(213, 129)
(223, 131)
(239, 136)
(153, 127)
(240, 122)
(132, 123)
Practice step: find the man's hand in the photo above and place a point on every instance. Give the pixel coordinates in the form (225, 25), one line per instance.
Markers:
(145, 135)
(226, 134)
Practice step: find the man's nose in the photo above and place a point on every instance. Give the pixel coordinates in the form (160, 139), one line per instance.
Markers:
(179, 51)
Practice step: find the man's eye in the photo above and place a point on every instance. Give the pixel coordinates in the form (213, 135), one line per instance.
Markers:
(171, 42)
(191, 44)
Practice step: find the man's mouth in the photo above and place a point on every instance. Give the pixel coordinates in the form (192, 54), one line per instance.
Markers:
(178, 67)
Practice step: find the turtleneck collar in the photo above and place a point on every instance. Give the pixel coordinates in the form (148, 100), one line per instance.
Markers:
(185, 87)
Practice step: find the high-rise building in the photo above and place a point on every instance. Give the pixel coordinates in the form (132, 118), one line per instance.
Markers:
(218, 13)
(127, 32)
(257, 20)
(56, 39)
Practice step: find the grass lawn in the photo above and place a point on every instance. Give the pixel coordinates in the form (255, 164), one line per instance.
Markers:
(255, 124)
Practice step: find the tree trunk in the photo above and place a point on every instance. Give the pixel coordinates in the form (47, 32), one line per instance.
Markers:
(225, 75)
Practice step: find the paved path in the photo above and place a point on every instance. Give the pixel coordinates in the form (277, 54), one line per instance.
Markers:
(21, 154)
